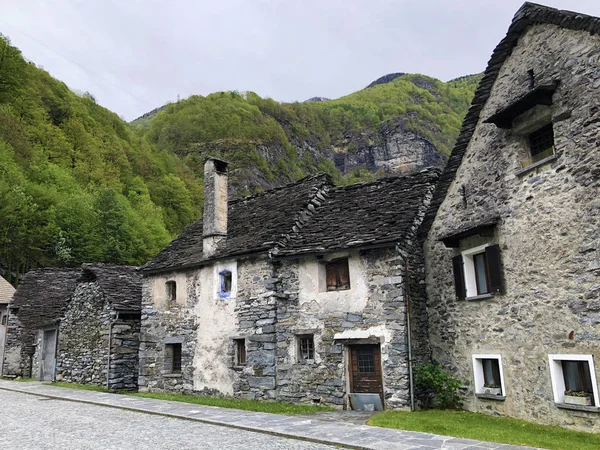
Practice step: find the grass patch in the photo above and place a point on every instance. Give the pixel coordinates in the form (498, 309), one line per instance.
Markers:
(83, 387)
(234, 403)
(471, 425)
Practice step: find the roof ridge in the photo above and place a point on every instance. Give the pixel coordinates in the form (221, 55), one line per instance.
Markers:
(304, 216)
(424, 171)
(327, 179)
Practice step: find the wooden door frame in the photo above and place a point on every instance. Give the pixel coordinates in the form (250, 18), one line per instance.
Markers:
(348, 363)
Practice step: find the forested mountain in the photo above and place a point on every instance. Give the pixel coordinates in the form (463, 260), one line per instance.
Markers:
(77, 184)
(270, 142)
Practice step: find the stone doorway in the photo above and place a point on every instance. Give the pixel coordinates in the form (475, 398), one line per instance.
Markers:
(48, 355)
(365, 369)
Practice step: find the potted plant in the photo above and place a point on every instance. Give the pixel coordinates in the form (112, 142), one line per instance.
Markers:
(581, 398)
(492, 389)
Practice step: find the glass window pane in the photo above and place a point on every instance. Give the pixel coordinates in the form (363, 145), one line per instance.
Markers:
(480, 274)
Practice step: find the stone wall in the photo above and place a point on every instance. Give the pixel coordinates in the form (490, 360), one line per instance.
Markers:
(164, 323)
(16, 361)
(378, 313)
(549, 235)
(271, 305)
(83, 338)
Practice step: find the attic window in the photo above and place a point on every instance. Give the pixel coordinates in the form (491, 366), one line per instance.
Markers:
(337, 275)
(171, 287)
(541, 145)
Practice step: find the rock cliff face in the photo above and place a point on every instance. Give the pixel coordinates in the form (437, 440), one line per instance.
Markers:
(392, 148)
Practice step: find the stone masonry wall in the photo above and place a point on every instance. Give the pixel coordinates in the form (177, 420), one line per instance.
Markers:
(256, 316)
(16, 362)
(161, 324)
(83, 339)
(549, 234)
(380, 315)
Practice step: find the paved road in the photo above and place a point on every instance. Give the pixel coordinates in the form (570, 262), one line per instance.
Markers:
(29, 422)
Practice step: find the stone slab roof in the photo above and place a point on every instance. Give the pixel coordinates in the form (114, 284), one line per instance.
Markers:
(122, 285)
(310, 216)
(528, 15)
(365, 214)
(43, 294)
(255, 224)
(6, 291)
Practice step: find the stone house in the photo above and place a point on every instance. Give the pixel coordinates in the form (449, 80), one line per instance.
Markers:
(513, 243)
(72, 324)
(6, 293)
(305, 293)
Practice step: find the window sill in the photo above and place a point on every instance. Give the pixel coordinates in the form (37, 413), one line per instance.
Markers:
(500, 398)
(306, 362)
(593, 409)
(480, 297)
(172, 375)
(238, 368)
(535, 165)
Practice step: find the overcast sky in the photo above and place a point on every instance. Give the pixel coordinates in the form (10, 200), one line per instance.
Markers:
(135, 55)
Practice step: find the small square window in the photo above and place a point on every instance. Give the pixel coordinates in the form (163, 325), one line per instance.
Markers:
(240, 352)
(489, 377)
(337, 275)
(574, 379)
(173, 358)
(541, 145)
(306, 348)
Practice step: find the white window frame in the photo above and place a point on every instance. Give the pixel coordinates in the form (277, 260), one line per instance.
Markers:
(558, 380)
(469, 270)
(478, 372)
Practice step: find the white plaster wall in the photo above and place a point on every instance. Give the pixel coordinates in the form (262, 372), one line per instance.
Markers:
(314, 297)
(159, 289)
(216, 326)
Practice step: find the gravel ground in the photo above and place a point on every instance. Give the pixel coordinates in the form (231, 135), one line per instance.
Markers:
(29, 422)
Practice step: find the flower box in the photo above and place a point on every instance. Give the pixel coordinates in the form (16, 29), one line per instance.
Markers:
(492, 390)
(581, 401)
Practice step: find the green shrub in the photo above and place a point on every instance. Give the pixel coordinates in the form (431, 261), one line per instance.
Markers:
(437, 388)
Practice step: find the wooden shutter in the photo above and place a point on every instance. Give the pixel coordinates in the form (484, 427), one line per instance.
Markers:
(494, 266)
(344, 274)
(459, 277)
(331, 276)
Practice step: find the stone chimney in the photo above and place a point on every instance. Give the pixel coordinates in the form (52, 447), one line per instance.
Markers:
(215, 205)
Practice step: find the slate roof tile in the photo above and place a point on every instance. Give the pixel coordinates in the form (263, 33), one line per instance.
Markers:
(310, 216)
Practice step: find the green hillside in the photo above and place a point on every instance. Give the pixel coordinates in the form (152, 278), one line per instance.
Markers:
(76, 183)
(262, 137)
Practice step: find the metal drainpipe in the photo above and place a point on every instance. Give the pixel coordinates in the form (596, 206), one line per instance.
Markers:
(110, 328)
(411, 387)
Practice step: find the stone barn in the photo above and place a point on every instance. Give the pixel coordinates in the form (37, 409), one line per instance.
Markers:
(76, 325)
(299, 294)
(513, 244)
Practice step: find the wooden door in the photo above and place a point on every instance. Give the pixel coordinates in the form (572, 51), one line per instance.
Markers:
(365, 369)
(48, 355)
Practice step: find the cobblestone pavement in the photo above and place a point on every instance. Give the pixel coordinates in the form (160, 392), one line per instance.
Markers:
(30, 422)
(344, 434)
